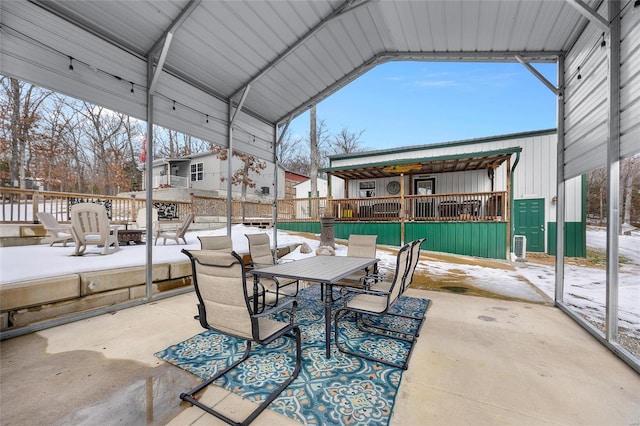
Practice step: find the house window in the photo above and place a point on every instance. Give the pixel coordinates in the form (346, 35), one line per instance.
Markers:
(197, 172)
(367, 189)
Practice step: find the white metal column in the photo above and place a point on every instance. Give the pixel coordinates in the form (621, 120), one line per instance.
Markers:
(613, 174)
(560, 203)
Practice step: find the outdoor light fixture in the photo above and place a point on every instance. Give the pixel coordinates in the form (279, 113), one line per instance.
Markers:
(207, 118)
(603, 43)
(70, 64)
(174, 105)
(131, 86)
(579, 75)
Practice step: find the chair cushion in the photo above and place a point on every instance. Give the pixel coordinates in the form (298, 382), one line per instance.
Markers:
(269, 327)
(368, 302)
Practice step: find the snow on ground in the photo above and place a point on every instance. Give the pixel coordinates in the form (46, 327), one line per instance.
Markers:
(584, 286)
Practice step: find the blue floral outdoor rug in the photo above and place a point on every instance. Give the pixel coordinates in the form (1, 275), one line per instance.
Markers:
(343, 390)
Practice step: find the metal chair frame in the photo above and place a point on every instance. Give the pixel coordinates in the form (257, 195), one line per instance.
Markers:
(390, 295)
(290, 330)
(261, 256)
(412, 262)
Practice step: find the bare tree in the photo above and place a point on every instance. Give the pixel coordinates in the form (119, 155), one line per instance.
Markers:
(102, 130)
(629, 169)
(242, 176)
(345, 142)
(51, 154)
(133, 130)
(295, 154)
(313, 146)
(300, 164)
(289, 149)
(20, 116)
(596, 194)
(171, 144)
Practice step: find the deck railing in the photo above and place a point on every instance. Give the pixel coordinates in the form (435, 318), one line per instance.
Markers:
(477, 206)
(21, 206)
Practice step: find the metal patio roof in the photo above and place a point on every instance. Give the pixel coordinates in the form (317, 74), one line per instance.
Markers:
(425, 165)
(292, 54)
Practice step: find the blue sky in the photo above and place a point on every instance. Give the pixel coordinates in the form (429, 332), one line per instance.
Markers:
(414, 103)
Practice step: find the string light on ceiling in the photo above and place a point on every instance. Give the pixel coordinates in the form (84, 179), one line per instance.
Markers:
(73, 67)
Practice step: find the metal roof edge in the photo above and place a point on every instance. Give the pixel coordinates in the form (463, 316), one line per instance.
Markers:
(496, 152)
(436, 145)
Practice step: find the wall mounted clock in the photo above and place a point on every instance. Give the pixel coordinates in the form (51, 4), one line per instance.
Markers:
(393, 187)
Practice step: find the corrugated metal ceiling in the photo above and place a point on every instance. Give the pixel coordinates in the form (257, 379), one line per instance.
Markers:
(295, 53)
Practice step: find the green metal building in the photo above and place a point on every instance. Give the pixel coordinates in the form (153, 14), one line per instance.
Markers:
(471, 197)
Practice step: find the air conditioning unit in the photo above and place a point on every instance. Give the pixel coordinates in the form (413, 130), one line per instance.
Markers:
(520, 247)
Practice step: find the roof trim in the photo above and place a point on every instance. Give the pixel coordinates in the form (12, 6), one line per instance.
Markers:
(437, 145)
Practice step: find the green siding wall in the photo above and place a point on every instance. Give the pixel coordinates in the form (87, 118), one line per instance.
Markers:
(309, 227)
(481, 239)
(575, 239)
(388, 232)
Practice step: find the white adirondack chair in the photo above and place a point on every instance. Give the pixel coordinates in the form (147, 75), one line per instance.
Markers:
(90, 226)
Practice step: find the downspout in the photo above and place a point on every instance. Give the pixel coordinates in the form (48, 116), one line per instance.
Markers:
(510, 228)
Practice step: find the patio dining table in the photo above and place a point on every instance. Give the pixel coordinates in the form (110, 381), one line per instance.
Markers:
(326, 270)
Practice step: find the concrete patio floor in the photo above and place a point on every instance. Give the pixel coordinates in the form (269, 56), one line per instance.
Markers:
(478, 361)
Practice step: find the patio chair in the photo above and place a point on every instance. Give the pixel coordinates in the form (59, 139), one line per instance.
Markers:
(141, 221)
(413, 262)
(90, 226)
(59, 233)
(376, 302)
(361, 246)
(223, 243)
(262, 256)
(224, 305)
(176, 234)
(216, 242)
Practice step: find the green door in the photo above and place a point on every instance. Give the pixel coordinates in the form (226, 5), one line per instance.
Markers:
(528, 220)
